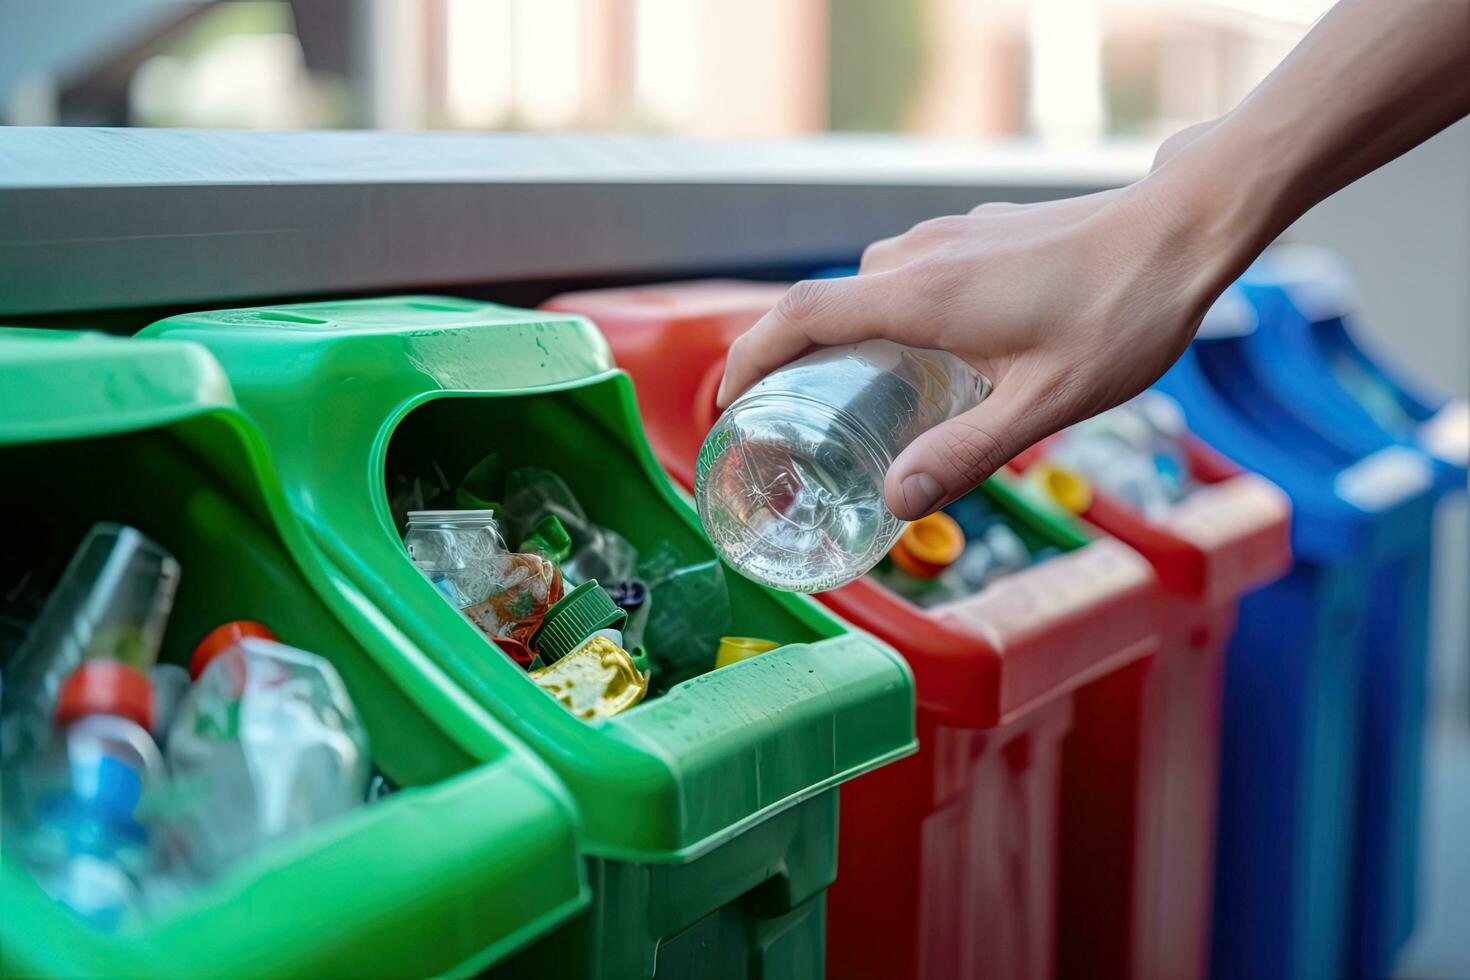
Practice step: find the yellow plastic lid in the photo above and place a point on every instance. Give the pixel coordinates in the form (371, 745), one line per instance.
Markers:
(734, 649)
(1070, 489)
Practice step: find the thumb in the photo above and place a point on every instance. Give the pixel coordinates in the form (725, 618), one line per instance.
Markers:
(954, 457)
(824, 312)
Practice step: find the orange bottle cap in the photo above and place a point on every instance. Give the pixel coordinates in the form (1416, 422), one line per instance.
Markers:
(220, 639)
(103, 686)
(928, 545)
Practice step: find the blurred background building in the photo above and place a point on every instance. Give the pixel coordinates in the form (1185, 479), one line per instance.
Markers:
(1066, 72)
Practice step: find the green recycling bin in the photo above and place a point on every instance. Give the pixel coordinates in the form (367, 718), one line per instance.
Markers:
(474, 856)
(710, 811)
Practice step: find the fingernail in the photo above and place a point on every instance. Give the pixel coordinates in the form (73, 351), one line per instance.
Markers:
(920, 493)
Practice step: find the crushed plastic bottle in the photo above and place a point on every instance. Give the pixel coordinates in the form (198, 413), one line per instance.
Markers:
(112, 602)
(266, 744)
(687, 611)
(789, 482)
(74, 809)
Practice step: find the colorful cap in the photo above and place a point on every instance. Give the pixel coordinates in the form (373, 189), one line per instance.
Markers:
(549, 539)
(1064, 485)
(102, 686)
(580, 613)
(629, 595)
(516, 650)
(929, 545)
(639, 655)
(734, 649)
(221, 638)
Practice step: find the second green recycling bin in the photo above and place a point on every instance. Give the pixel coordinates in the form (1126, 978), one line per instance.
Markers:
(710, 811)
(473, 857)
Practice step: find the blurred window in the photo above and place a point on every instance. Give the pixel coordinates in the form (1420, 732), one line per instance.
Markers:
(1071, 72)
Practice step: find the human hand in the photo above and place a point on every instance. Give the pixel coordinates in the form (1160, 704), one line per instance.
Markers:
(1069, 307)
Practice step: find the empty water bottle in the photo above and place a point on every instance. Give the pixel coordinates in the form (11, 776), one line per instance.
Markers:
(266, 744)
(112, 602)
(76, 812)
(789, 483)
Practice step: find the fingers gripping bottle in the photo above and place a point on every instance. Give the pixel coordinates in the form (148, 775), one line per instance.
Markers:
(789, 482)
(265, 744)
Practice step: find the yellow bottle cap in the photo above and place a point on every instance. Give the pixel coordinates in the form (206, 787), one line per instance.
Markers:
(734, 649)
(1064, 485)
(929, 545)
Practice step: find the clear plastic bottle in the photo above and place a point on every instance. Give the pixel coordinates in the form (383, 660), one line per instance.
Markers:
(266, 744)
(789, 482)
(112, 602)
(455, 549)
(77, 820)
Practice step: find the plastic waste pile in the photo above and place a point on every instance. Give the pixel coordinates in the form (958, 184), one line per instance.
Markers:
(129, 782)
(1131, 452)
(955, 553)
(595, 624)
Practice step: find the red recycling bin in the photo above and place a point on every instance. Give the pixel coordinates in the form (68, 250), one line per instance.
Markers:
(947, 859)
(1138, 830)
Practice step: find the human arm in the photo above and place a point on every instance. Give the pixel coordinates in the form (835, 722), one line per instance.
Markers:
(1071, 307)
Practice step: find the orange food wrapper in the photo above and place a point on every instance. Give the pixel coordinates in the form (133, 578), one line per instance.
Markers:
(526, 587)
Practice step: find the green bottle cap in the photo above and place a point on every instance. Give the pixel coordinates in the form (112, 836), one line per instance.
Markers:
(580, 613)
(640, 659)
(549, 539)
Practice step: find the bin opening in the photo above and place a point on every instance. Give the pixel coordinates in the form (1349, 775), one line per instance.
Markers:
(567, 462)
(991, 538)
(216, 542)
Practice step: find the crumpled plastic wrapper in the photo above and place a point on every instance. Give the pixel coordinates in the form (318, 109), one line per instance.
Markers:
(523, 587)
(596, 680)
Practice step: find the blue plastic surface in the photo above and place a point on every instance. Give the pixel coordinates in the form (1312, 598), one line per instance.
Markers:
(1324, 702)
(1293, 355)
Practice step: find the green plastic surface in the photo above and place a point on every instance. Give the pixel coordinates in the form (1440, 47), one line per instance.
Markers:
(707, 808)
(333, 384)
(476, 855)
(1040, 523)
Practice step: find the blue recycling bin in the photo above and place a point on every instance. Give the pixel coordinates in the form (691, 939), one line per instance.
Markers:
(1301, 355)
(1324, 691)
(1305, 351)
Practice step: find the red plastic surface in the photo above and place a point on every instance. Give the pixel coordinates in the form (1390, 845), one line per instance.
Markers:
(948, 862)
(1142, 765)
(947, 859)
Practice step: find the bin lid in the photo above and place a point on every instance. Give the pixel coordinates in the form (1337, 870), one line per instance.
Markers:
(63, 384)
(667, 781)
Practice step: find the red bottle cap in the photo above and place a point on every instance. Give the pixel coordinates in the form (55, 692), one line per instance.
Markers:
(220, 639)
(106, 687)
(516, 650)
